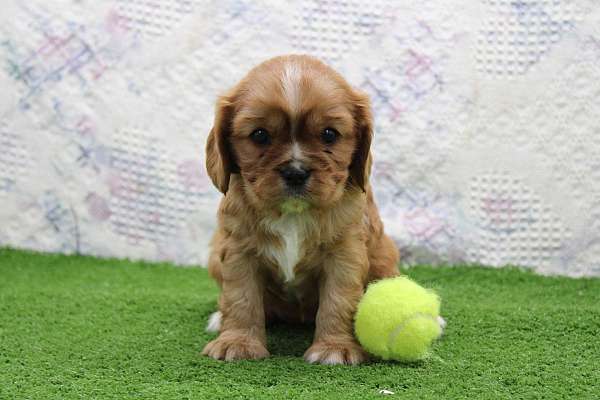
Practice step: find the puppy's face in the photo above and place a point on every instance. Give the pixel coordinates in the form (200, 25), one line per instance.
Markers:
(291, 128)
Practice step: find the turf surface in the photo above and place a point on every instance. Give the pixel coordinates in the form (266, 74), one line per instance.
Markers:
(79, 327)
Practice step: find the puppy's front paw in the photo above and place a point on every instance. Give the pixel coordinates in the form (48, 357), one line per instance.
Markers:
(230, 347)
(332, 353)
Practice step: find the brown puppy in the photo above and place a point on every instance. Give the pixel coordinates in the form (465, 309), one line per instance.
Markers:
(293, 128)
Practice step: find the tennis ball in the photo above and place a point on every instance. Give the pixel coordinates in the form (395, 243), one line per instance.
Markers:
(397, 319)
(294, 205)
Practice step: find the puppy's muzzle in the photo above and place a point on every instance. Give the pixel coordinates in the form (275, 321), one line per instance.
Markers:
(294, 177)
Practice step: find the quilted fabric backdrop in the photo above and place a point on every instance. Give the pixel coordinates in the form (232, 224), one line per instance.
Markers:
(487, 145)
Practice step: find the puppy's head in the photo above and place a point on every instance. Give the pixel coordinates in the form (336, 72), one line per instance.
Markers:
(292, 127)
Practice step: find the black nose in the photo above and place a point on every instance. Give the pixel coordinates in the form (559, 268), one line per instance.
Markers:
(294, 176)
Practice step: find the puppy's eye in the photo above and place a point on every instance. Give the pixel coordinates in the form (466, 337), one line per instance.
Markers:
(260, 136)
(329, 135)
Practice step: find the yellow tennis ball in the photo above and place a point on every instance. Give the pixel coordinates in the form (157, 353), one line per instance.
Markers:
(398, 319)
(294, 205)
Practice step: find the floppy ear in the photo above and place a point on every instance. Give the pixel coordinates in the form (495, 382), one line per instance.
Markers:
(360, 168)
(220, 162)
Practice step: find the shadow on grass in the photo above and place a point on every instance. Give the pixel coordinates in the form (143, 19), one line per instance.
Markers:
(289, 340)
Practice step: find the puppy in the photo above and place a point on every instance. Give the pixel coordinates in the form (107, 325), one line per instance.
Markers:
(293, 128)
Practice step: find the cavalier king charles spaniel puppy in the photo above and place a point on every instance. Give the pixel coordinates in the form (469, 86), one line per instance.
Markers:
(293, 131)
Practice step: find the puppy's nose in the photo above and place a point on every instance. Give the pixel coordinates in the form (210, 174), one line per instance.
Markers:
(294, 176)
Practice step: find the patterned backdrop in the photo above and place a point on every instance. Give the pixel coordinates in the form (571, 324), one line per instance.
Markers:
(487, 145)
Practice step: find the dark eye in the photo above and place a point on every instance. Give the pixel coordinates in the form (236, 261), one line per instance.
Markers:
(329, 135)
(260, 136)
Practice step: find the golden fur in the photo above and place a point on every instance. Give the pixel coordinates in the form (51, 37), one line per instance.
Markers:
(334, 248)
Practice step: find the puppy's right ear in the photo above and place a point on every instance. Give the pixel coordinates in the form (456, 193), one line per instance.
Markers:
(220, 162)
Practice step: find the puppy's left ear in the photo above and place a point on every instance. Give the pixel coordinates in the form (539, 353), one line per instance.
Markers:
(360, 168)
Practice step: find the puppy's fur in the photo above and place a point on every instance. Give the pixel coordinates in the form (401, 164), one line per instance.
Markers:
(307, 266)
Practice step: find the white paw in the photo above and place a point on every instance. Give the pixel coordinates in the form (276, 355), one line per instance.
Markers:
(214, 322)
(442, 322)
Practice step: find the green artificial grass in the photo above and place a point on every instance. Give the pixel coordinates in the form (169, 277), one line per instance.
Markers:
(80, 327)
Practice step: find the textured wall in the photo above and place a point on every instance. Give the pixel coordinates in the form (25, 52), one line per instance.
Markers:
(487, 144)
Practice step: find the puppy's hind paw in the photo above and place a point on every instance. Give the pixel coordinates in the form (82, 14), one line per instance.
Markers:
(214, 322)
(442, 322)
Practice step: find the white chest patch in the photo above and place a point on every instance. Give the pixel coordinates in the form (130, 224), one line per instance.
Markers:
(291, 230)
